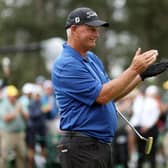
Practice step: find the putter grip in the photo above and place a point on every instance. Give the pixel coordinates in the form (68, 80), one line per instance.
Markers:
(148, 146)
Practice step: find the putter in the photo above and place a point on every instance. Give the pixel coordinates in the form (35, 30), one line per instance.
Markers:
(149, 140)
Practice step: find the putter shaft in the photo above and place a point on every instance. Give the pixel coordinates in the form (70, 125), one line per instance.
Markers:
(133, 128)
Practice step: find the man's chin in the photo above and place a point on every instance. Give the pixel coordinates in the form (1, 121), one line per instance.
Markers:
(93, 45)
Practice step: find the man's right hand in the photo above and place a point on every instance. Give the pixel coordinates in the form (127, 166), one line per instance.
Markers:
(142, 61)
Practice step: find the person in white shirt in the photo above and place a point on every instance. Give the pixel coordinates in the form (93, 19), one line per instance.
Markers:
(147, 124)
(134, 120)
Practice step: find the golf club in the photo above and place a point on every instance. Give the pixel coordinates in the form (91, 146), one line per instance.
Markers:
(149, 140)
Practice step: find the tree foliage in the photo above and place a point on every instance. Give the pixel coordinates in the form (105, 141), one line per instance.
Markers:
(139, 23)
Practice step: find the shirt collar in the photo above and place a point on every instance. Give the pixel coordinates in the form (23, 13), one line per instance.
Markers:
(75, 53)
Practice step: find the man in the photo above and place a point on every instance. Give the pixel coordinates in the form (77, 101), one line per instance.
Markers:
(36, 126)
(13, 128)
(49, 107)
(85, 94)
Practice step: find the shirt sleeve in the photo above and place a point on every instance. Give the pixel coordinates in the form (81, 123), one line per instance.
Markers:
(77, 82)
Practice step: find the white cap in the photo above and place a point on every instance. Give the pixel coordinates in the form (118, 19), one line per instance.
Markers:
(47, 84)
(152, 90)
(37, 90)
(27, 88)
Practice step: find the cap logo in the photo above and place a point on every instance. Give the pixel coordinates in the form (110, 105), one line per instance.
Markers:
(91, 14)
(77, 19)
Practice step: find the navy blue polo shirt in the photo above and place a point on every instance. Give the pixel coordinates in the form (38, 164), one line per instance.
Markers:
(77, 83)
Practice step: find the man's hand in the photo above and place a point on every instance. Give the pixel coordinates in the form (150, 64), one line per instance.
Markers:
(142, 61)
(154, 69)
(8, 117)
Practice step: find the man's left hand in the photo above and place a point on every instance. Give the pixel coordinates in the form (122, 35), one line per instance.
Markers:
(154, 69)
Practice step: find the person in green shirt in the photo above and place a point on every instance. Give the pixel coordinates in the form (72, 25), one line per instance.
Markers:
(13, 128)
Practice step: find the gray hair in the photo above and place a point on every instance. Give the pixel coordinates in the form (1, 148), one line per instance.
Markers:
(68, 31)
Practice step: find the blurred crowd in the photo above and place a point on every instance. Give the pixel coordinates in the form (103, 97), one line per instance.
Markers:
(146, 108)
(30, 115)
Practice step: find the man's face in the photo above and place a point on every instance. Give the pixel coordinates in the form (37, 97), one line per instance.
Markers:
(12, 99)
(86, 36)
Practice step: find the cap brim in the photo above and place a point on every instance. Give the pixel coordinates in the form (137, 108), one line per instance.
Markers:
(98, 23)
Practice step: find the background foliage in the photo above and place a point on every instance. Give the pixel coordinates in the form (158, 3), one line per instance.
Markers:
(138, 23)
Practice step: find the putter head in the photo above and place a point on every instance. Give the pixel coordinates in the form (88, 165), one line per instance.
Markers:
(148, 146)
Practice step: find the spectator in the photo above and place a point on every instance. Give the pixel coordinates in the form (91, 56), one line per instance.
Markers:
(1, 121)
(165, 142)
(25, 99)
(134, 120)
(147, 124)
(165, 109)
(120, 142)
(13, 135)
(36, 128)
(50, 107)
